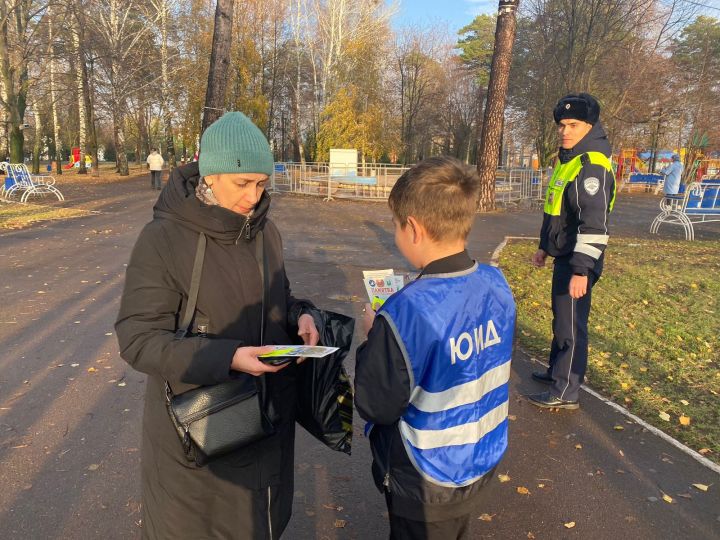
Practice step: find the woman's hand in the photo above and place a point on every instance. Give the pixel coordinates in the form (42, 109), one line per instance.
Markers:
(246, 360)
(307, 330)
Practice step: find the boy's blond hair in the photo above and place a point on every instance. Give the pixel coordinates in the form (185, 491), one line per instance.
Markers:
(440, 193)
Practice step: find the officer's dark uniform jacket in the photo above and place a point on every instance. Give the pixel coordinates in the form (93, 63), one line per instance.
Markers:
(432, 379)
(578, 232)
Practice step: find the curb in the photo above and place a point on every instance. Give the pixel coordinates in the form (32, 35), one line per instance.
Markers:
(652, 429)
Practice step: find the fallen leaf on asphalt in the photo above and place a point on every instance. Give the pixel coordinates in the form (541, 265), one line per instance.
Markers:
(485, 517)
(569, 525)
(578, 447)
(74, 365)
(667, 498)
(530, 536)
(541, 486)
(92, 370)
(701, 487)
(108, 333)
(122, 384)
(503, 478)
(620, 471)
(523, 490)
(340, 523)
(618, 428)
(621, 453)
(684, 495)
(512, 417)
(652, 499)
(93, 467)
(664, 416)
(684, 420)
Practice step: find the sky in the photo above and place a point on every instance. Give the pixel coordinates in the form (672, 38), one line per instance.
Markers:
(454, 13)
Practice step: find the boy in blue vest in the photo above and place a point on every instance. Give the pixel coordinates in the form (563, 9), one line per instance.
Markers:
(432, 377)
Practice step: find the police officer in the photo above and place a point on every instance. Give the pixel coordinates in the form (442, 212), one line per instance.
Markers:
(574, 231)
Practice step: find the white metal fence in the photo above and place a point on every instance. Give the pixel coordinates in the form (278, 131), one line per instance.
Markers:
(375, 180)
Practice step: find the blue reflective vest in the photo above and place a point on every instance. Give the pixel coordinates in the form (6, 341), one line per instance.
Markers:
(456, 334)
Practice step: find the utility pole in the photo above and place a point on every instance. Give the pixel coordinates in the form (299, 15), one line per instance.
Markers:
(492, 125)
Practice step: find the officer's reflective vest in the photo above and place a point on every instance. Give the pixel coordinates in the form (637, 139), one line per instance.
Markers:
(456, 333)
(566, 173)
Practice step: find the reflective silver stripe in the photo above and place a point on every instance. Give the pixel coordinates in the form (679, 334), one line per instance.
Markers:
(463, 394)
(593, 238)
(426, 439)
(587, 249)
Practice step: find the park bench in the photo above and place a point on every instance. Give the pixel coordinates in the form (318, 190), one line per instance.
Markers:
(18, 180)
(649, 182)
(698, 203)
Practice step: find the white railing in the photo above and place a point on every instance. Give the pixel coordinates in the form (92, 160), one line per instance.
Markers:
(375, 180)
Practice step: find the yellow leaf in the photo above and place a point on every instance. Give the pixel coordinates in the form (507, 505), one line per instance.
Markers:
(645, 302)
(667, 498)
(624, 366)
(540, 486)
(512, 417)
(665, 416)
(647, 388)
(704, 451)
(485, 517)
(503, 478)
(530, 536)
(679, 338)
(569, 524)
(92, 370)
(684, 420)
(523, 490)
(701, 487)
(684, 402)
(643, 369)
(624, 385)
(670, 378)
(578, 447)
(618, 428)
(694, 285)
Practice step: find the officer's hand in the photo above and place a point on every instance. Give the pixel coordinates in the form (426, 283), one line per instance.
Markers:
(578, 286)
(538, 258)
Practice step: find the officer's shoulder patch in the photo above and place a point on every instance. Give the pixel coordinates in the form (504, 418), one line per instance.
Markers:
(591, 185)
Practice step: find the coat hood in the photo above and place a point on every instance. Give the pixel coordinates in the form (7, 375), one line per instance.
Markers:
(178, 203)
(595, 141)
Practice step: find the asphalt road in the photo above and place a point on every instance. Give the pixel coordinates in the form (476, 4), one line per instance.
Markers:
(70, 408)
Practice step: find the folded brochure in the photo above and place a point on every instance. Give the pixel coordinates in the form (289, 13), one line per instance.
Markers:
(381, 285)
(308, 351)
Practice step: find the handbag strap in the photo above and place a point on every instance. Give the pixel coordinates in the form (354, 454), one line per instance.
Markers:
(194, 288)
(263, 266)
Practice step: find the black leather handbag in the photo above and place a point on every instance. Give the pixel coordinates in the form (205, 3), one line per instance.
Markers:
(214, 420)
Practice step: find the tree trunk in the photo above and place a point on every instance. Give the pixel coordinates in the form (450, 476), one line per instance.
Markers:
(495, 107)
(82, 116)
(53, 97)
(219, 63)
(165, 98)
(37, 147)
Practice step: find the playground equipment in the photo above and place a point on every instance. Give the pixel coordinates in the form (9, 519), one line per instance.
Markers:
(75, 159)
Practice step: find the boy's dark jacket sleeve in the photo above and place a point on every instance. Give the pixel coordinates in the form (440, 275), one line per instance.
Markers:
(382, 383)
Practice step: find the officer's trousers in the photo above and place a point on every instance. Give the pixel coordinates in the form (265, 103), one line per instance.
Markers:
(569, 349)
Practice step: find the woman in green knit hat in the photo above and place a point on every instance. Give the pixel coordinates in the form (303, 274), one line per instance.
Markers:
(247, 493)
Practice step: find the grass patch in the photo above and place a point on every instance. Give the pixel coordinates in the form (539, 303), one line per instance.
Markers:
(17, 216)
(653, 330)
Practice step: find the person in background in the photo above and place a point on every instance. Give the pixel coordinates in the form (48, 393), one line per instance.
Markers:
(579, 199)
(155, 162)
(673, 173)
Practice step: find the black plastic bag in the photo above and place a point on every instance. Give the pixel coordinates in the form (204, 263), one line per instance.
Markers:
(325, 396)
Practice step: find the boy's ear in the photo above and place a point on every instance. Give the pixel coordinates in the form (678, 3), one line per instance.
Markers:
(417, 229)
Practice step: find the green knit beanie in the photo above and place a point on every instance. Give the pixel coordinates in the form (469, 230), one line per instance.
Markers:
(233, 144)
